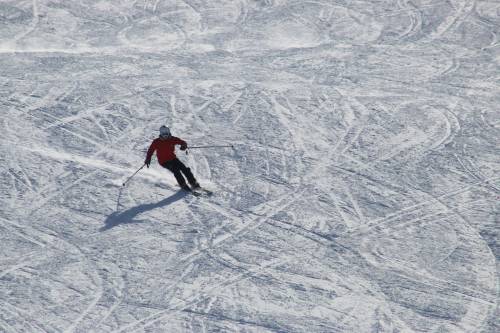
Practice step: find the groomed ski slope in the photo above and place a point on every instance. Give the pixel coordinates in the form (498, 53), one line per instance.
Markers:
(362, 193)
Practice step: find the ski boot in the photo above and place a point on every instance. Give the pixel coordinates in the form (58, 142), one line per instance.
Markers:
(185, 187)
(195, 186)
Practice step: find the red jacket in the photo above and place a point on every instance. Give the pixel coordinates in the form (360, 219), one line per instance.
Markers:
(165, 148)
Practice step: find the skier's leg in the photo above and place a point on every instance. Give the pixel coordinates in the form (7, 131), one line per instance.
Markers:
(174, 168)
(187, 172)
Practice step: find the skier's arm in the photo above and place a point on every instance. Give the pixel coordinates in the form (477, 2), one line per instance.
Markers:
(181, 142)
(149, 154)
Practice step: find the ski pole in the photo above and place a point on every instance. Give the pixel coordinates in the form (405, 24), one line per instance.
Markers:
(216, 146)
(129, 178)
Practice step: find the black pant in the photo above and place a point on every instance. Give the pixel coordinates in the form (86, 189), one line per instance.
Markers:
(178, 168)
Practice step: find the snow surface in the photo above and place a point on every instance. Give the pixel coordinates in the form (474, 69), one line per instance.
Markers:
(362, 193)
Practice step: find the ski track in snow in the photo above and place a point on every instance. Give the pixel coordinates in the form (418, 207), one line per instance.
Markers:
(362, 194)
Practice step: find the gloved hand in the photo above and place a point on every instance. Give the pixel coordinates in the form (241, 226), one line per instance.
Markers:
(147, 162)
(184, 147)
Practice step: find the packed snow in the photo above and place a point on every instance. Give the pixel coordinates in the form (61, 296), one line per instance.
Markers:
(362, 192)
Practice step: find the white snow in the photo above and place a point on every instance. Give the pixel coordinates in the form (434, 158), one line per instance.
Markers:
(362, 193)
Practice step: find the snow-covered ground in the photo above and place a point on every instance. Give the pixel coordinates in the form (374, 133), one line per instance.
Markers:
(362, 193)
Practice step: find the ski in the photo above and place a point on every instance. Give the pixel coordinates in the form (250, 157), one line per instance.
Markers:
(200, 191)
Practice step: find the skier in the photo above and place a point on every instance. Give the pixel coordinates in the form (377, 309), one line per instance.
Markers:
(164, 146)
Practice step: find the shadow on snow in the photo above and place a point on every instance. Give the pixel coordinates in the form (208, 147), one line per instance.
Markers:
(128, 215)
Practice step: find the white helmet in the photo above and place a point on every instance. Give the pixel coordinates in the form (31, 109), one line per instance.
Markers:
(165, 131)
